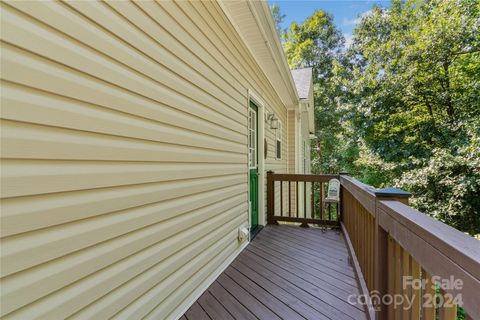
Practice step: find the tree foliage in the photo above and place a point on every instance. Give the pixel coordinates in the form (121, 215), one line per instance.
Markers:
(412, 69)
(447, 186)
(416, 103)
(401, 105)
(278, 18)
(317, 43)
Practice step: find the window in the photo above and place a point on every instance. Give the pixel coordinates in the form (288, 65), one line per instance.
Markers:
(278, 142)
(252, 138)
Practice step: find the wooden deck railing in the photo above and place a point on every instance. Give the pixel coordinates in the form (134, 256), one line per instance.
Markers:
(404, 253)
(300, 198)
(413, 266)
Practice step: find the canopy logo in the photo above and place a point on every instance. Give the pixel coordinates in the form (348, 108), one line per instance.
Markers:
(415, 290)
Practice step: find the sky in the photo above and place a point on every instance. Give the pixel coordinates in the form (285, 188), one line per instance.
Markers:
(346, 12)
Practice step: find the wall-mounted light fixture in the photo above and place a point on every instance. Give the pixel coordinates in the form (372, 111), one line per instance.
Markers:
(272, 118)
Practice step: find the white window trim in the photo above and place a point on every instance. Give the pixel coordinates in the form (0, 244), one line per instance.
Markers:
(253, 158)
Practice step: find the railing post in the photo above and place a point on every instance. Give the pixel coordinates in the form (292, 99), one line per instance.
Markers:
(341, 205)
(270, 198)
(380, 260)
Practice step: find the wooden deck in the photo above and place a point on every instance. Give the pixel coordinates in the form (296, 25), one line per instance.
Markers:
(286, 272)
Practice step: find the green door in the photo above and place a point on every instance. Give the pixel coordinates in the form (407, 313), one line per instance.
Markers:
(253, 163)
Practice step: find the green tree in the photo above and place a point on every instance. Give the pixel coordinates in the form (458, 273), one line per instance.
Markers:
(317, 43)
(415, 104)
(447, 186)
(414, 71)
(278, 18)
(401, 105)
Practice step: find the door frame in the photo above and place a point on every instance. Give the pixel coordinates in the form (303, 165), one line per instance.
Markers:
(252, 96)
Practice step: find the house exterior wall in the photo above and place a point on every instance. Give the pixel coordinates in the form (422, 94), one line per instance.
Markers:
(292, 161)
(304, 157)
(292, 137)
(304, 140)
(124, 155)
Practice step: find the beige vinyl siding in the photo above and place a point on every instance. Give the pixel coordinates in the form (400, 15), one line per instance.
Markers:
(124, 158)
(292, 132)
(305, 143)
(271, 162)
(292, 159)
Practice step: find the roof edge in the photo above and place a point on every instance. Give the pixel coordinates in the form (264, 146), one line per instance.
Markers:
(282, 60)
(277, 71)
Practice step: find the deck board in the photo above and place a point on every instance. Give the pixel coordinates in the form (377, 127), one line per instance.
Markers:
(213, 308)
(323, 274)
(290, 249)
(286, 272)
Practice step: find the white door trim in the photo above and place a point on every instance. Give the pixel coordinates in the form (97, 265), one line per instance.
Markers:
(252, 96)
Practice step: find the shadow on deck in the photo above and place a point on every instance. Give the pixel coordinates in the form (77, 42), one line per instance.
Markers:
(286, 272)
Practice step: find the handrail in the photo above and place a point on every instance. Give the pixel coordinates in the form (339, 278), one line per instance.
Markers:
(436, 248)
(393, 241)
(462, 249)
(362, 192)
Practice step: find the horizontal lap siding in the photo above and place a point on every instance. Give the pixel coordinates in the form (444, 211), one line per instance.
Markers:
(124, 159)
(292, 132)
(271, 162)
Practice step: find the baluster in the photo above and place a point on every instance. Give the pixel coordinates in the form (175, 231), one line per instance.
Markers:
(312, 200)
(448, 311)
(289, 198)
(398, 278)
(322, 217)
(297, 214)
(416, 291)
(429, 300)
(406, 291)
(391, 275)
(305, 199)
(281, 198)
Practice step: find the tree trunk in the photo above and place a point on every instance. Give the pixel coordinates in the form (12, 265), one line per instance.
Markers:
(429, 106)
(448, 98)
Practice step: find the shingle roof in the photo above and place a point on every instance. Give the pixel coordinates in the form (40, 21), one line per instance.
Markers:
(303, 81)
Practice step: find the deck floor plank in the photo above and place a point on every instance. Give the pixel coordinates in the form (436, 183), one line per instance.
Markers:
(280, 293)
(213, 308)
(196, 312)
(317, 233)
(313, 289)
(315, 236)
(312, 300)
(270, 301)
(316, 248)
(322, 275)
(296, 257)
(333, 248)
(236, 309)
(246, 298)
(281, 248)
(336, 258)
(286, 272)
